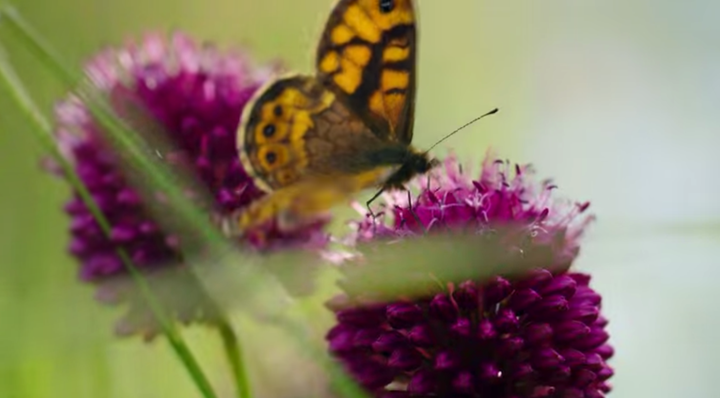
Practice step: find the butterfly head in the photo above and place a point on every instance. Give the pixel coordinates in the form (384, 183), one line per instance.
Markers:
(415, 163)
(420, 162)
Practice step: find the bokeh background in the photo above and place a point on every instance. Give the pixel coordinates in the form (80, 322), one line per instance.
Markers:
(617, 100)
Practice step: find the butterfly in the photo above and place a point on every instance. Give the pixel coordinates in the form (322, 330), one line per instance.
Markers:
(312, 141)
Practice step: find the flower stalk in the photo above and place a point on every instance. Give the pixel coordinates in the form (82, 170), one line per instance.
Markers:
(234, 354)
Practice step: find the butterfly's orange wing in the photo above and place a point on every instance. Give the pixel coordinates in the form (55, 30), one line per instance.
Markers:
(367, 56)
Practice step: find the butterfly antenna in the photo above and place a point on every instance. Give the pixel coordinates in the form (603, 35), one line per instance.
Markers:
(492, 112)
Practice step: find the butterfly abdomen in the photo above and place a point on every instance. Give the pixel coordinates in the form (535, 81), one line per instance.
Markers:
(389, 155)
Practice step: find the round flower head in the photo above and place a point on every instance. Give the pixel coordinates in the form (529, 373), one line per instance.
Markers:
(503, 195)
(196, 94)
(535, 335)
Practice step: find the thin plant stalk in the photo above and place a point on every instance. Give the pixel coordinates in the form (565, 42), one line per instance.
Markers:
(43, 132)
(234, 354)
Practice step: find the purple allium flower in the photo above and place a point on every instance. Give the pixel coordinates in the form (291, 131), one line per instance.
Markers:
(196, 93)
(503, 195)
(537, 335)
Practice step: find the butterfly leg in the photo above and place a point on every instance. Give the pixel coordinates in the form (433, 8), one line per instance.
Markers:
(412, 211)
(369, 202)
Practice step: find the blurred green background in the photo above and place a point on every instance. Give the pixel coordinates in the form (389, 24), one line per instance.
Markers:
(617, 100)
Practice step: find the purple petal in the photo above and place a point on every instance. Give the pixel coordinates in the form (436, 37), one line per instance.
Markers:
(585, 314)
(446, 360)
(343, 341)
(509, 346)
(463, 383)
(573, 393)
(538, 334)
(583, 378)
(496, 290)
(606, 351)
(489, 372)
(486, 330)
(421, 335)
(605, 373)
(546, 359)
(122, 234)
(522, 299)
(573, 357)
(405, 358)
(366, 337)
(466, 296)
(442, 308)
(563, 285)
(570, 330)
(389, 341)
(595, 338)
(506, 321)
(550, 306)
(462, 327)
(403, 315)
(423, 382)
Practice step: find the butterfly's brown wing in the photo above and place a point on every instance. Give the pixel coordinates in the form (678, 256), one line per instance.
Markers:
(367, 57)
(296, 129)
(303, 145)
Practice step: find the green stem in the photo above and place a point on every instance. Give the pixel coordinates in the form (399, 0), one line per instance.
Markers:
(43, 132)
(35, 42)
(234, 353)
